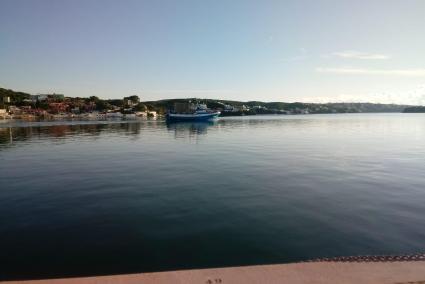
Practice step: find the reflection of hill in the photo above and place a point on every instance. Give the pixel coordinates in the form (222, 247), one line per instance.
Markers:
(5, 135)
(14, 135)
(189, 129)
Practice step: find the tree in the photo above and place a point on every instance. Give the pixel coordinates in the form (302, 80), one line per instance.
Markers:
(118, 103)
(134, 99)
(43, 105)
(94, 99)
(140, 107)
(101, 105)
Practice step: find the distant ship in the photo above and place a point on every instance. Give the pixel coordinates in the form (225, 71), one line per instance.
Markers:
(191, 112)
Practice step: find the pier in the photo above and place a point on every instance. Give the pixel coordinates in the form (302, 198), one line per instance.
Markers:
(346, 272)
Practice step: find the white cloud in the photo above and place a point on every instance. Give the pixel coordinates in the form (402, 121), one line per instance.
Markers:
(419, 72)
(352, 54)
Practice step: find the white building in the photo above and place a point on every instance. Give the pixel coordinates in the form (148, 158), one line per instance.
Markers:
(3, 113)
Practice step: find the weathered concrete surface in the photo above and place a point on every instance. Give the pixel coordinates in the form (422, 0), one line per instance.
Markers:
(406, 272)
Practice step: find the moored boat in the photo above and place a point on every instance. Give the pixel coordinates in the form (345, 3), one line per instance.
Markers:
(191, 112)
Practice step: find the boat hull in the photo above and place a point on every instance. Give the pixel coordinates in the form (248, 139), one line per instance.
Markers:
(192, 117)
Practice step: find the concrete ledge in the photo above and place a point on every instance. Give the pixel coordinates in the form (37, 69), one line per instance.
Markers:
(403, 272)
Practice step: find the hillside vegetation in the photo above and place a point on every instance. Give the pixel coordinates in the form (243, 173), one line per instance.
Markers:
(239, 107)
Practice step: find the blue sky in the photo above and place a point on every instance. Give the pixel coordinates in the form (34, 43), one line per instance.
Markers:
(312, 51)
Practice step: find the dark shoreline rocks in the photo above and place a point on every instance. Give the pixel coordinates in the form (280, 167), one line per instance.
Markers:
(372, 258)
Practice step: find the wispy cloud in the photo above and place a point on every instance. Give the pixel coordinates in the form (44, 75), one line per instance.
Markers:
(362, 71)
(352, 54)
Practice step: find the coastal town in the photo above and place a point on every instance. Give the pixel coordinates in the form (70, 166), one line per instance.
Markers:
(57, 106)
(53, 106)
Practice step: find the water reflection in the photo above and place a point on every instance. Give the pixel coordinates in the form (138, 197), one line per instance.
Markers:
(78, 196)
(13, 136)
(190, 129)
(6, 136)
(17, 132)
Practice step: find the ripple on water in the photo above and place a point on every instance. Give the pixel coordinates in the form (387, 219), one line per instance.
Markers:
(77, 196)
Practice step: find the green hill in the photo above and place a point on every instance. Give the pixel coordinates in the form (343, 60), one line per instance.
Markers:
(255, 107)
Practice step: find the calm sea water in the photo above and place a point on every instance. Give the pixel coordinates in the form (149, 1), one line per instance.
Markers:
(80, 198)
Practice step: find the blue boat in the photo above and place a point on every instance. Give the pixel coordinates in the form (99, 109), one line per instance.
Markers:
(191, 112)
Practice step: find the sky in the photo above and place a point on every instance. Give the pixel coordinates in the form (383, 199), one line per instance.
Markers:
(308, 51)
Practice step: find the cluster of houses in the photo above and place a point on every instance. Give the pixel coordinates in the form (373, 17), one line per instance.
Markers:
(57, 106)
(258, 109)
(230, 108)
(3, 113)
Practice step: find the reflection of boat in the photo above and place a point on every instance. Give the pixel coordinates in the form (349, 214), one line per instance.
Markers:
(191, 112)
(182, 128)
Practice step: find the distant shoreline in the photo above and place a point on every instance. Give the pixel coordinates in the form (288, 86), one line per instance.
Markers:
(162, 117)
(15, 104)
